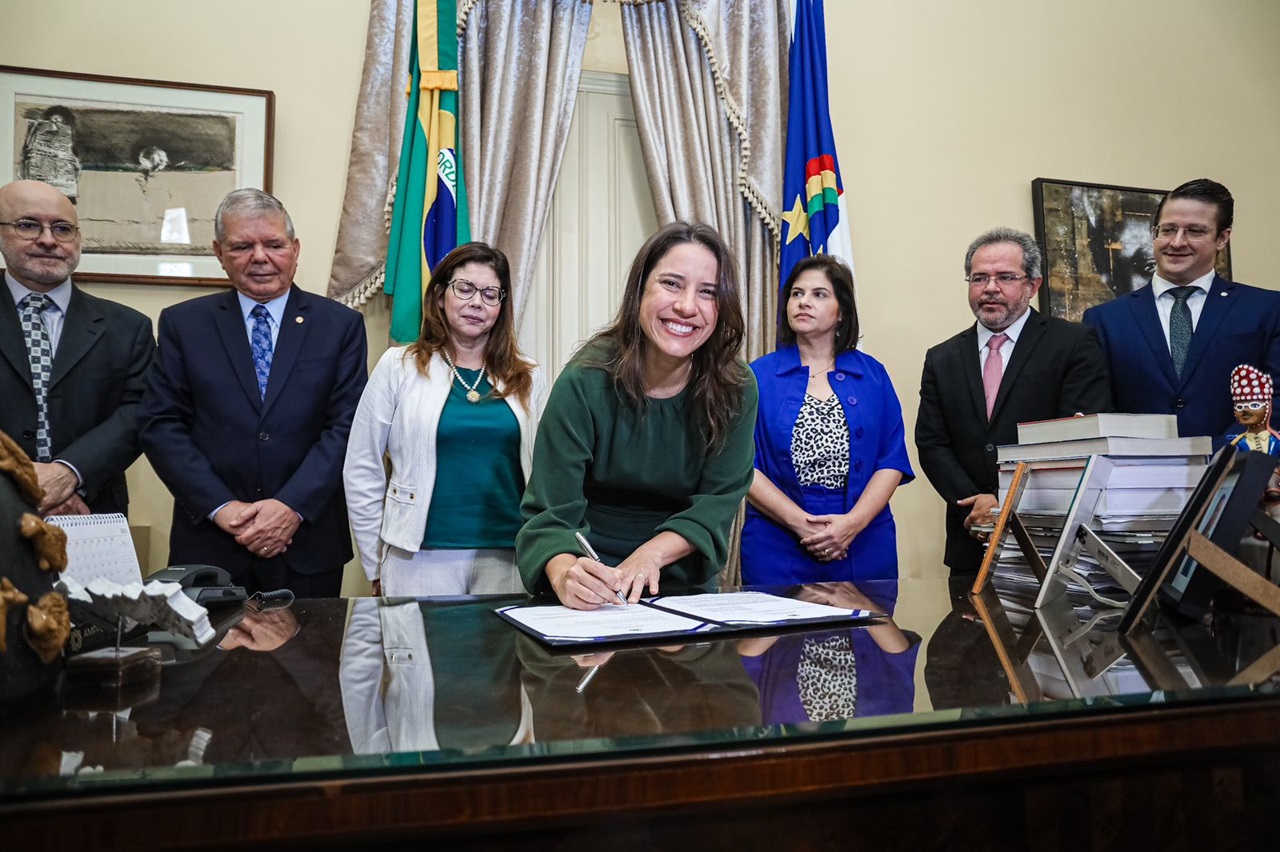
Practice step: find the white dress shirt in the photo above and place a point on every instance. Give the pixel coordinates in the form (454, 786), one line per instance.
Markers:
(1006, 351)
(1195, 302)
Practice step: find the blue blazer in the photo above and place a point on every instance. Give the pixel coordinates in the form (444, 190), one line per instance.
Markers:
(1239, 325)
(877, 440)
(212, 439)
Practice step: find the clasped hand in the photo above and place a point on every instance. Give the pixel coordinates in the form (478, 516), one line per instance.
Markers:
(827, 537)
(265, 527)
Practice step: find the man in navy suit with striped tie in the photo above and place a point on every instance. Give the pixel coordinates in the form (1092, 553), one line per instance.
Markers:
(1172, 344)
(247, 412)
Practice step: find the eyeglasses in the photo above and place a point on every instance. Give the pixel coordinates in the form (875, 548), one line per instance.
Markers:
(464, 290)
(1257, 405)
(1192, 233)
(29, 229)
(981, 279)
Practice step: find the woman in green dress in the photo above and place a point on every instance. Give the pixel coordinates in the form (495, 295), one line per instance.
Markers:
(646, 445)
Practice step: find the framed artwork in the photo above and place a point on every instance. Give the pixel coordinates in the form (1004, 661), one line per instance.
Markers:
(1096, 240)
(146, 163)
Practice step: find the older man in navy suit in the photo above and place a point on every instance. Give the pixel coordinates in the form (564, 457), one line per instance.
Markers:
(1172, 344)
(72, 366)
(247, 412)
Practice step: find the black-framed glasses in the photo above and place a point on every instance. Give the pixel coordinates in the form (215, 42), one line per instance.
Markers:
(30, 229)
(982, 279)
(464, 290)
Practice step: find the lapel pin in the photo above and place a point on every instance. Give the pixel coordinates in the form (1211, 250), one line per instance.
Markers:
(298, 320)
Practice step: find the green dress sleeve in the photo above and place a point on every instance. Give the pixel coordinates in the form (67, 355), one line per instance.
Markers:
(554, 502)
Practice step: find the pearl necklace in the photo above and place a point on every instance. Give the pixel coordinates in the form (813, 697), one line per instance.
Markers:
(473, 395)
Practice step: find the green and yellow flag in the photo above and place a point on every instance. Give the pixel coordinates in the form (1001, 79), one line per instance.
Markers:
(430, 217)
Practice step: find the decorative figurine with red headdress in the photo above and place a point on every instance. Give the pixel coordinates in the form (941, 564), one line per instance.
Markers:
(1251, 391)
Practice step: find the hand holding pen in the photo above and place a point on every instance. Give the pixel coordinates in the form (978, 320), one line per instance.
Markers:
(591, 554)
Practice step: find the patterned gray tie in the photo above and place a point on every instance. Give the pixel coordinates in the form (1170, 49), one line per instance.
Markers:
(40, 357)
(1180, 327)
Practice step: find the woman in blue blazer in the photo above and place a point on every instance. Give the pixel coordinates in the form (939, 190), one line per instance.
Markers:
(830, 445)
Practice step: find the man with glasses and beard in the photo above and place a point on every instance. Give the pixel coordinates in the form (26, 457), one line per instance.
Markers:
(1012, 366)
(73, 366)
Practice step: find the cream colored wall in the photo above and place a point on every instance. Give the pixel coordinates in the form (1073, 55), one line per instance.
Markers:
(944, 113)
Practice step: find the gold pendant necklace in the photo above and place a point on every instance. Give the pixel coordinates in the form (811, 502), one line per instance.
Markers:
(473, 395)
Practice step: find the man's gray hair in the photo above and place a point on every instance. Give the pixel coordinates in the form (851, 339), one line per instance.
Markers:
(1030, 251)
(249, 202)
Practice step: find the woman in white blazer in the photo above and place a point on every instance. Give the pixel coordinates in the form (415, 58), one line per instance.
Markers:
(455, 414)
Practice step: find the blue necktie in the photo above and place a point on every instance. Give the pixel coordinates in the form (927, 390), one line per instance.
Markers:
(40, 359)
(261, 343)
(1180, 327)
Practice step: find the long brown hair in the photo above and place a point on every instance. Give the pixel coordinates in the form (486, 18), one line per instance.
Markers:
(503, 360)
(717, 375)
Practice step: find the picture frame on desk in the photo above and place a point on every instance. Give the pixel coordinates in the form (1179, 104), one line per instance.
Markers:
(1096, 240)
(146, 162)
(1219, 509)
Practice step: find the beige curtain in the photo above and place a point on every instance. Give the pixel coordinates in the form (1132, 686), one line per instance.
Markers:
(361, 252)
(708, 79)
(518, 74)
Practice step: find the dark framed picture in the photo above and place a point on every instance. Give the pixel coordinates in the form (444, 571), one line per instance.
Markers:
(146, 163)
(1096, 240)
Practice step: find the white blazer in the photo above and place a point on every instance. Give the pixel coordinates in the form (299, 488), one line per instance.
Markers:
(398, 415)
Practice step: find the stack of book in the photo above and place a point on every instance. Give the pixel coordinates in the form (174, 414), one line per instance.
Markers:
(1154, 472)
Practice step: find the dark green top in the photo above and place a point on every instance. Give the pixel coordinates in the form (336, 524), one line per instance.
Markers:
(476, 499)
(621, 476)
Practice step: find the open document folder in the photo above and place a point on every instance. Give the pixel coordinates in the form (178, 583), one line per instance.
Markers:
(669, 616)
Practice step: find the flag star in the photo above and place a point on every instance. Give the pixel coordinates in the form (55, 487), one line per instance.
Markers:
(798, 219)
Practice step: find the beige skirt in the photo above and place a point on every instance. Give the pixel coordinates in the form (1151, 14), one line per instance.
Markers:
(431, 572)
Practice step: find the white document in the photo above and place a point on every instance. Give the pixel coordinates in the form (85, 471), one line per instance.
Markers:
(559, 623)
(755, 608)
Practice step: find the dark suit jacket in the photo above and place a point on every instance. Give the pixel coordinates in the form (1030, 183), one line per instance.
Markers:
(212, 439)
(1239, 325)
(99, 373)
(1057, 369)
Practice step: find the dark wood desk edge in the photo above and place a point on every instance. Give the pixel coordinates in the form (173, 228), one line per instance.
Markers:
(587, 791)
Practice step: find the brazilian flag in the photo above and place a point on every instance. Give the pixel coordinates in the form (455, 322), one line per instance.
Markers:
(429, 218)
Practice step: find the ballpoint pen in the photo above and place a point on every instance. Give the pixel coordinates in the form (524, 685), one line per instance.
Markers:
(591, 554)
(586, 678)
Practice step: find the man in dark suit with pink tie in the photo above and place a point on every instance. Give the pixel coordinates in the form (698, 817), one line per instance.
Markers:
(1173, 344)
(247, 412)
(1012, 366)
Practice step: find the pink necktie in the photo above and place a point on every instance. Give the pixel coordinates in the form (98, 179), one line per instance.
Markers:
(993, 370)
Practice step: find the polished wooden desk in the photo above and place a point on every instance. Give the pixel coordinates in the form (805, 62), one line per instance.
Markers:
(381, 722)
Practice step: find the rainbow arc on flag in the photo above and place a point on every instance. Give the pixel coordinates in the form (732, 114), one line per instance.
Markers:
(429, 217)
(814, 218)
